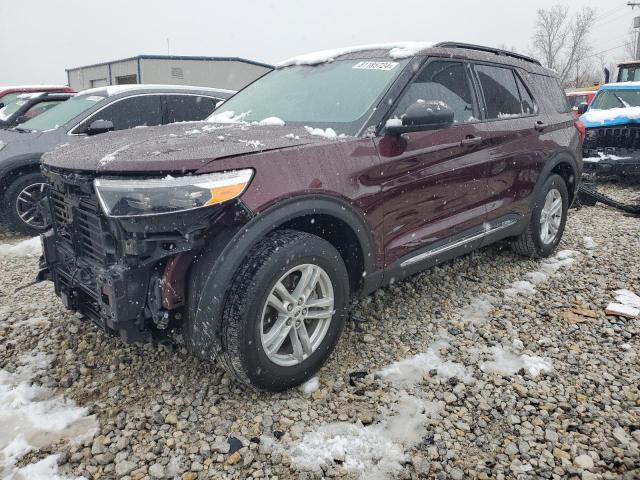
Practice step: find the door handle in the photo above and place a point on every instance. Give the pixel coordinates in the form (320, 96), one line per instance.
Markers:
(471, 141)
(540, 126)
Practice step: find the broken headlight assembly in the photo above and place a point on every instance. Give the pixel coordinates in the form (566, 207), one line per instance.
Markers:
(133, 197)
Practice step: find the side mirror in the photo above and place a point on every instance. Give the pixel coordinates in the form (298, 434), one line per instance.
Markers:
(420, 117)
(582, 108)
(1, 104)
(100, 126)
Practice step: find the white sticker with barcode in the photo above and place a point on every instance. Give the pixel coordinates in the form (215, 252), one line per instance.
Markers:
(375, 65)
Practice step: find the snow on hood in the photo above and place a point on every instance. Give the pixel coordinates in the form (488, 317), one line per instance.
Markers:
(179, 147)
(396, 50)
(611, 117)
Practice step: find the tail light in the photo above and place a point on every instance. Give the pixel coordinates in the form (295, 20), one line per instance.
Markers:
(582, 130)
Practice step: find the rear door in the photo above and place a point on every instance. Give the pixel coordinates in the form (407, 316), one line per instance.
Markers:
(188, 108)
(434, 185)
(511, 123)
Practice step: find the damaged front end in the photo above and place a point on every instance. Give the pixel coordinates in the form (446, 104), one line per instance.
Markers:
(612, 150)
(128, 275)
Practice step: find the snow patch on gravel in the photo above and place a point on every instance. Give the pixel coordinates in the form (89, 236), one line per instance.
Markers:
(628, 298)
(310, 386)
(411, 370)
(521, 287)
(32, 246)
(372, 452)
(506, 362)
(45, 469)
(477, 312)
(32, 417)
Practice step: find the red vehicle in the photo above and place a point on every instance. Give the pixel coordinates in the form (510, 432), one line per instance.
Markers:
(584, 98)
(8, 94)
(329, 177)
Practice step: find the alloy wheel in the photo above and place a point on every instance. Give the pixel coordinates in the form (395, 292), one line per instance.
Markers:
(297, 315)
(551, 216)
(28, 205)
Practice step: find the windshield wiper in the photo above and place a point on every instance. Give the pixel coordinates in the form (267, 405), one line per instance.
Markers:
(22, 130)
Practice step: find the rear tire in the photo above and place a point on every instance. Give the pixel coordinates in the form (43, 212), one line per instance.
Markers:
(17, 213)
(250, 319)
(548, 218)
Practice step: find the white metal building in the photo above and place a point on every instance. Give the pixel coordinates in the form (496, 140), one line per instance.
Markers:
(220, 72)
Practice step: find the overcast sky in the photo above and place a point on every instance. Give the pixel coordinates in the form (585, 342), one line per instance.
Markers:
(40, 38)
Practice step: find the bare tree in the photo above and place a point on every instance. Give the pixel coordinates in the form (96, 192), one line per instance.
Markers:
(562, 42)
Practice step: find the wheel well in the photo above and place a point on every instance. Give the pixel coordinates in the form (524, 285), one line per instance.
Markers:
(565, 170)
(10, 176)
(339, 234)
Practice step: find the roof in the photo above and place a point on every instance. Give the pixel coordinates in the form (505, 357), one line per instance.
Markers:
(629, 62)
(117, 89)
(621, 86)
(34, 88)
(397, 50)
(177, 57)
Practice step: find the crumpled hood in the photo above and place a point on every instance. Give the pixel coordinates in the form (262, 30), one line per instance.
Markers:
(179, 147)
(611, 118)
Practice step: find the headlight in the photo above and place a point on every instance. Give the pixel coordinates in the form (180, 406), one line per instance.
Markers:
(132, 198)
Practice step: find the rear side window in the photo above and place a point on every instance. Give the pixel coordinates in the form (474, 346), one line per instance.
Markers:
(529, 106)
(128, 113)
(500, 90)
(440, 81)
(188, 108)
(550, 88)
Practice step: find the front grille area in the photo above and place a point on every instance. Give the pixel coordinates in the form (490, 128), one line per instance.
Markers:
(626, 137)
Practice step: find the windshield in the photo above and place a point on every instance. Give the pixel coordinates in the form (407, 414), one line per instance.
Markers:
(9, 109)
(608, 99)
(61, 114)
(339, 95)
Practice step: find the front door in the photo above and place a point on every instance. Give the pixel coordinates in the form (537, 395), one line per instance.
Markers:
(434, 181)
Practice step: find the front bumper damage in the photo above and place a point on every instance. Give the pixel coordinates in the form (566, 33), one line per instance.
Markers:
(126, 275)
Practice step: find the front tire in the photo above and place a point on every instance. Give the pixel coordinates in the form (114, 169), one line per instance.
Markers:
(285, 311)
(22, 210)
(548, 219)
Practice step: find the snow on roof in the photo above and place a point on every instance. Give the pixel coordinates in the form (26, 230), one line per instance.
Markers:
(621, 86)
(397, 50)
(32, 87)
(116, 89)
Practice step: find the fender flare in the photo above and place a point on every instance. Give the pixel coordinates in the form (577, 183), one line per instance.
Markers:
(18, 162)
(228, 250)
(553, 162)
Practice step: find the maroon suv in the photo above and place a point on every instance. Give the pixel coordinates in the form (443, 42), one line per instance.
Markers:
(322, 181)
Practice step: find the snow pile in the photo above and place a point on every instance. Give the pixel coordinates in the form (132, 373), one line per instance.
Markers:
(272, 122)
(477, 312)
(32, 417)
(506, 362)
(562, 259)
(411, 370)
(195, 131)
(396, 50)
(33, 246)
(603, 156)
(628, 298)
(589, 244)
(227, 117)
(522, 287)
(310, 386)
(372, 452)
(604, 116)
(253, 143)
(329, 133)
(112, 156)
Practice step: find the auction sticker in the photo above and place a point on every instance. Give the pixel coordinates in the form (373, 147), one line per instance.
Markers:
(375, 65)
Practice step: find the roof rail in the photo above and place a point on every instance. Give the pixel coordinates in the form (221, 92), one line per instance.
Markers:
(495, 51)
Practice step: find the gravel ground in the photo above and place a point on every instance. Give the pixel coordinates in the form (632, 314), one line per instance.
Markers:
(491, 366)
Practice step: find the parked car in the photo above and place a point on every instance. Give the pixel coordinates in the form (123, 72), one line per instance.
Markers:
(28, 106)
(9, 94)
(580, 97)
(327, 178)
(612, 122)
(91, 112)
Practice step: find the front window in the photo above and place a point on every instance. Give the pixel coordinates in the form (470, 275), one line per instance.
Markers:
(63, 113)
(608, 99)
(629, 74)
(339, 95)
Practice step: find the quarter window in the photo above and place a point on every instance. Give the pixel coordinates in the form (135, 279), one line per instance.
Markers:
(501, 96)
(189, 108)
(440, 81)
(529, 106)
(128, 113)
